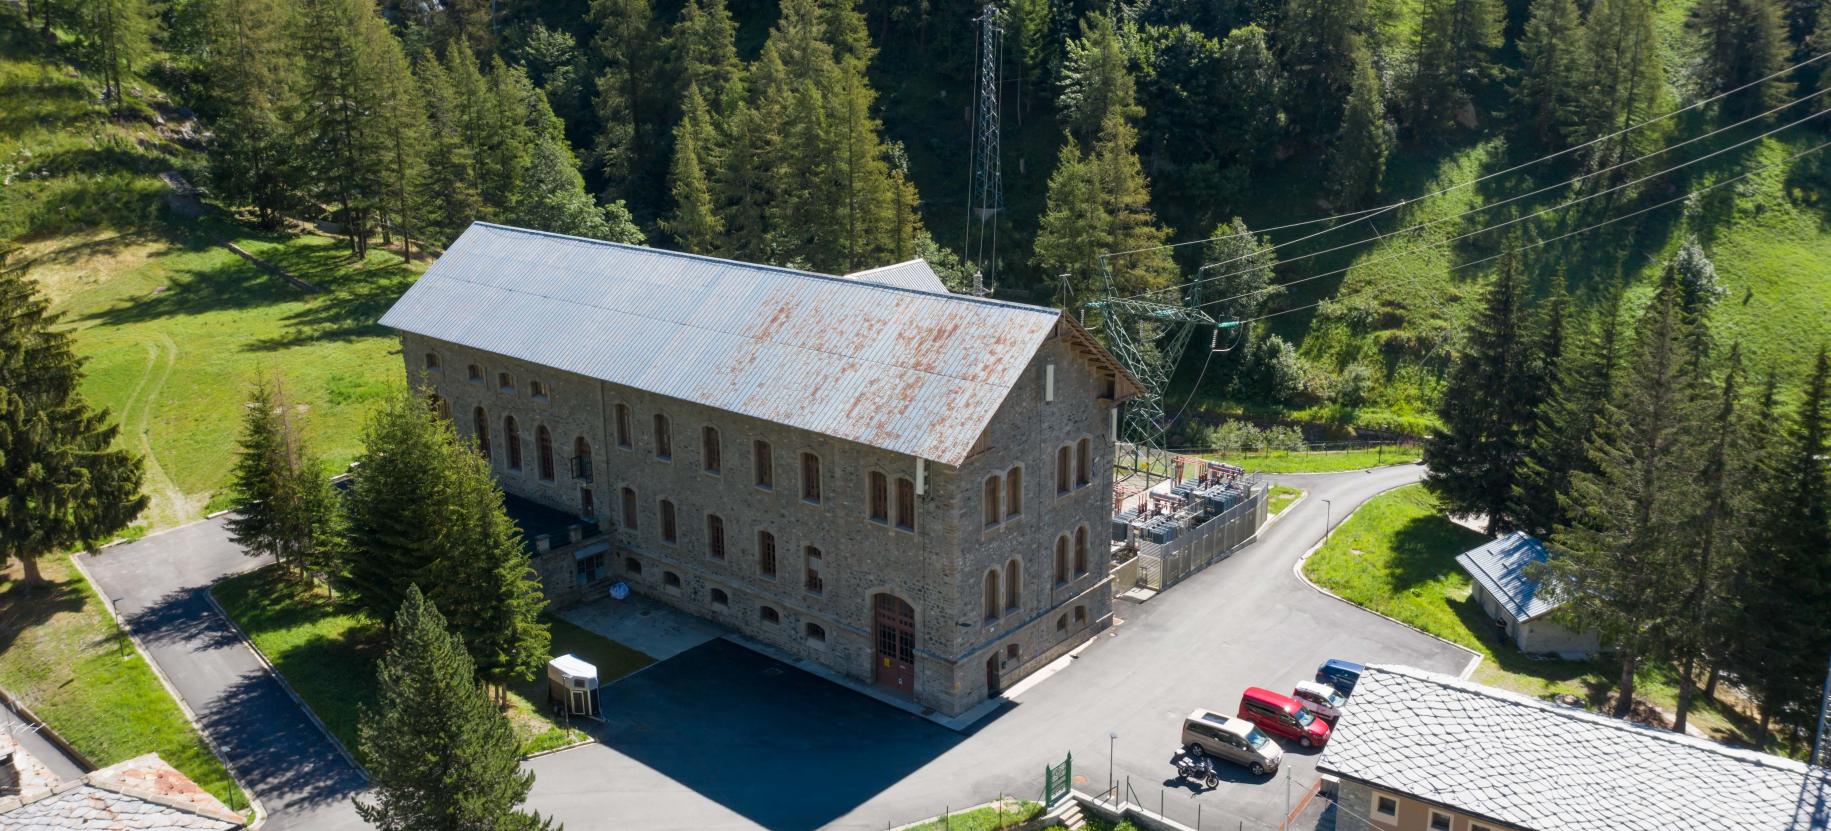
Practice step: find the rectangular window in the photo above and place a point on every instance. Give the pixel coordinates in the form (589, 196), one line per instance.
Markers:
(537, 390)
(474, 374)
(1061, 469)
(505, 382)
(989, 501)
(812, 582)
(715, 536)
(810, 477)
(664, 438)
(669, 534)
(1083, 462)
(766, 554)
(432, 362)
(1385, 806)
(629, 508)
(622, 425)
(1439, 821)
(588, 505)
(1014, 492)
(765, 464)
(880, 496)
(905, 504)
(708, 440)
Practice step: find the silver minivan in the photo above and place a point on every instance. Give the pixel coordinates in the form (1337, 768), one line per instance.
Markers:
(1207, 733)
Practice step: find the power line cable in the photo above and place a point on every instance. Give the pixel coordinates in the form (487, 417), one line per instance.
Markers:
(1528, 246)
(1466, 235)
(1521, 166)
(1470, 212)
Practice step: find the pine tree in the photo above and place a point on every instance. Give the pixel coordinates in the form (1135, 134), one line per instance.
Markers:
(1549, 81)
(115, 35)
(1565, 427)
(1778, 651)
(705, 54)
(1236, 277)
(62, 480)
(1621, 82)
(1743, 41)
(1485, 408)
(552, 198)
(447, 192)
(694, 223)
(627, 42)
(1096, 80)
(1620, 562)
(1357, 160)
(250, 72)
(485, 578)
(398, 502)
(1454, 41)
(1100, 202)
(440, 754)
(1320, 45)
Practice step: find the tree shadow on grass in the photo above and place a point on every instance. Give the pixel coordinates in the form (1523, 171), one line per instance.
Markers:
(351, 306)
(24, 606)
(1425, 549)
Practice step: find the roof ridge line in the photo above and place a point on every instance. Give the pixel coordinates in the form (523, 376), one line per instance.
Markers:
(796, 272)
(1522, 700)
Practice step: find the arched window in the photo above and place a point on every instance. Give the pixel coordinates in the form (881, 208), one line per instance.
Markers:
(511, 438)
(581, 459)
(629, 508)
(632, 565)
(1061, 559)
(482, 426)
(991, 595)
(664, 438)
(769, 615)
(622, 425)
(474, 374)
(990, 496)
(764, 461)
(708, 449)
(543, 451)
(1083, 462)
(879, 486)
(1080, 551)
(810, 477)
(505, 382)
(811, 579)
(1014, 492)
(815, 633)
(1061, 469)
(766, 554)
(715, 536)
(669, 533)
(1011, 585)
(905, 504)
(670, 580)
(720, 598)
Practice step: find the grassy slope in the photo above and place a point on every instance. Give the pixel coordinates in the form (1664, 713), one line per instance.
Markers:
(327, 651)
(63, 657)
(1317, 461)
(1397, 556)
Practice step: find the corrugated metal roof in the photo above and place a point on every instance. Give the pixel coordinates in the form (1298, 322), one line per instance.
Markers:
(907, 371)
(1528, 763)
(1500, 567)
(914, 274)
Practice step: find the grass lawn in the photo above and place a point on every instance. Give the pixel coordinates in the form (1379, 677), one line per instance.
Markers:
(327, 651)
(63, 657)
(1281, 497)
(1397, 556)
(1318, 461)
(1002, 815)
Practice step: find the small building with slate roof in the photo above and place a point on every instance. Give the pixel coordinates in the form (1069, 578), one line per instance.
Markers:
(1513, 597)
(863, 471)
(1420, 751)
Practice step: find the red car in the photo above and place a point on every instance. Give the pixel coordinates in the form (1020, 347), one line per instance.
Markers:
(1284, 716)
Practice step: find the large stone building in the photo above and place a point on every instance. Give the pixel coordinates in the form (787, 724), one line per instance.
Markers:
(908, 486)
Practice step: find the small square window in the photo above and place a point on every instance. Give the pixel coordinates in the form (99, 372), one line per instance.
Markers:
(1479, 827)
(1385, 806)
(505, 382)
(1439, 821)
(474, 373)
(432, 362)
(538, 390)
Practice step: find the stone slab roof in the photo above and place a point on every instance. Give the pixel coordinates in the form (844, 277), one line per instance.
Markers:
(141, 794)
(1536, 765)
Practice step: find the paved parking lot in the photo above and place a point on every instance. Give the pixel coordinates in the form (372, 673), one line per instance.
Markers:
(720, 737)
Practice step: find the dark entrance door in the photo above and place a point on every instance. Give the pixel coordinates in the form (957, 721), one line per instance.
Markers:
(894, 665)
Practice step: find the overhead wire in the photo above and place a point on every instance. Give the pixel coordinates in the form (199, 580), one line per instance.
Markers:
(1610, 221)
(1518, 167)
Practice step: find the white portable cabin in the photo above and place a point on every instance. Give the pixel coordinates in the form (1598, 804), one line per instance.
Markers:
(574, 684)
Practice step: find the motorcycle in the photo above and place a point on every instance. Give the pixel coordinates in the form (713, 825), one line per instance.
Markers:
(1198, 769)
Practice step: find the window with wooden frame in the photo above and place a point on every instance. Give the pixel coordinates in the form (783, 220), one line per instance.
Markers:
(1012, 586)
(990, 600)
(537, 390)
(810, 478)
(511, 439)
(811, 579)
(905, 504)
(1061, 469)
(815, 634)
(670, 534)
(432, 362)
(989, 495)
(543, 452)
(764, 462)
(439, 406)
(622, 425)
(505, 382)
(878, 486)
(1061, 559)
(629, 508)
(715, 536)
(664, 438)
(1080, 551)
(709, 454)
(766, 554)
(1014, 492)
(474, 374)
(481, 424)
(1083, 462)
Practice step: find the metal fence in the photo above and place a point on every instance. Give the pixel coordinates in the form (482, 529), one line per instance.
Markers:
(1161, 565)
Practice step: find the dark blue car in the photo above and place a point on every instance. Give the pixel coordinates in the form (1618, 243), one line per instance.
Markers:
(1340, 674)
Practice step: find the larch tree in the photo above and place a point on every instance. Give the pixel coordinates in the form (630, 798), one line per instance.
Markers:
(251, 72)
(1321, 46)
(1741, 43)
(1100, 202)
(1357, 159)
(694, 222)
(1451, 58)
(1236, 277)
(63, 482)
(1620, 561)
(115, 35)
(704, 51)
(1620, 82)
(1096, 79)
(262, 481)
(552, 197)
(1250, 83)
(447, 197)
(745, 187)
(440, 753)
(1548, 84)
(628, 45)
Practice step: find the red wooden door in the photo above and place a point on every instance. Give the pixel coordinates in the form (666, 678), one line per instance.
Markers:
(894, 664)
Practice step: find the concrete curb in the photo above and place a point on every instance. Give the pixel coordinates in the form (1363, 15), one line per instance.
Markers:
(1297, 569)
(254, 800)
(18, 707)
(210, 595)
(1273, 519)
(561, 749)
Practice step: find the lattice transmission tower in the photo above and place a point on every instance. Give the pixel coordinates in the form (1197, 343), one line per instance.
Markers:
(985, 198)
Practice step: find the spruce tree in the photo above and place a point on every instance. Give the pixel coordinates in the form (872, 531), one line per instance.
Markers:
(1742, 41)
(1550, 78)
(694, 223)
(63, 481)
(1473, 458)
(1565, 426)
(705, 54)
(1097, 203)
(485, 578)
(1236, 280)
(439, 752)
(746, 186)
(1320, 44)
(398, 502)
(1455, 39)
(263, 477)
(1621, 83)
(1096, 80)
(1620, 562)
(448, 201)
(250, 72)
(1357, 160)
(628, 44)
(552, 197)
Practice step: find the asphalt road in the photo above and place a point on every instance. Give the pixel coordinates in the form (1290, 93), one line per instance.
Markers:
(718, 737)
(158, 584)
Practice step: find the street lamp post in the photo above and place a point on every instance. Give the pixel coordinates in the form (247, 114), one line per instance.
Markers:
(1112, 739)
(1328, 515)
